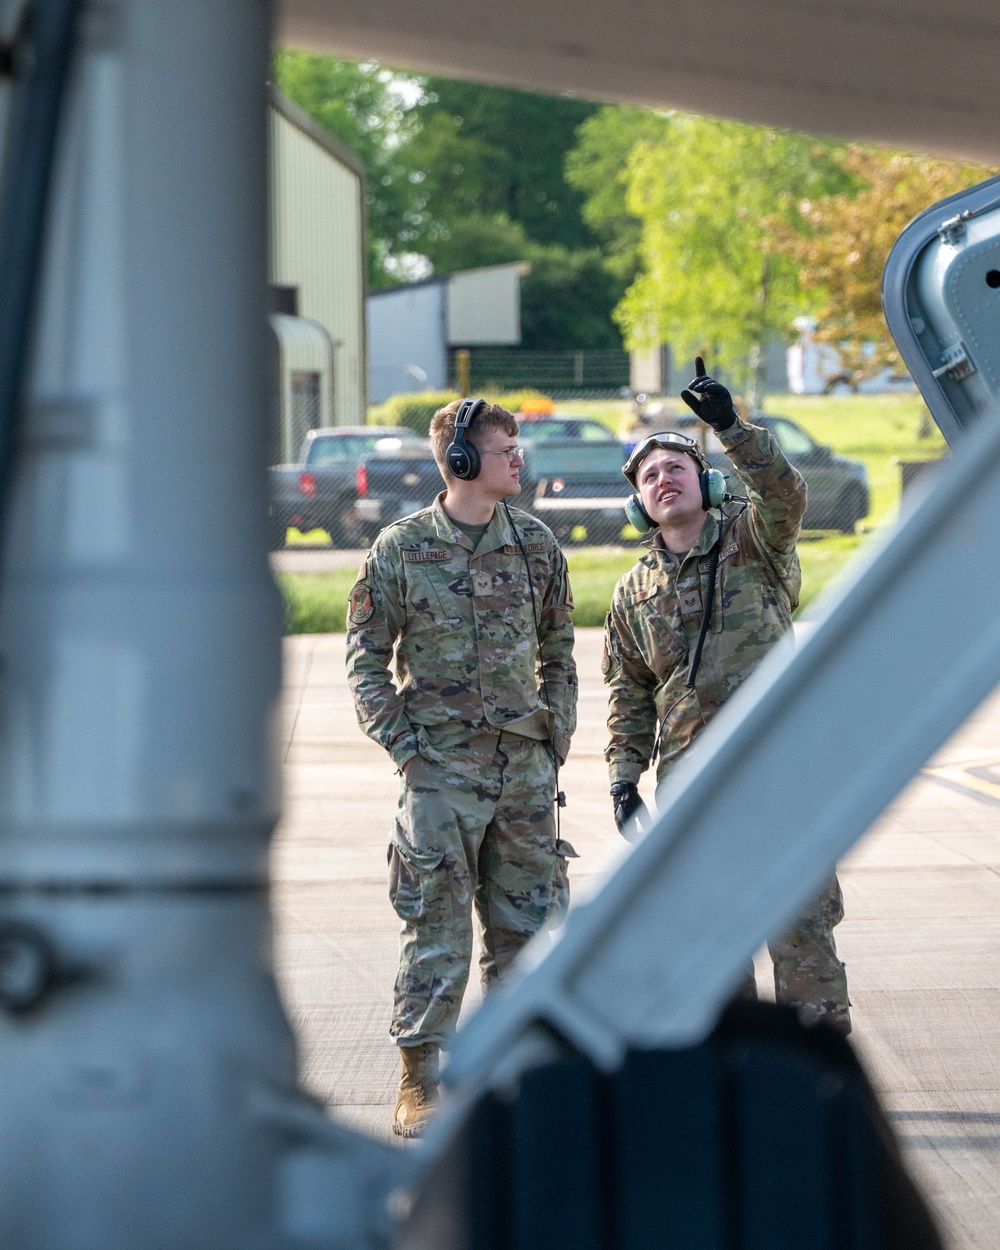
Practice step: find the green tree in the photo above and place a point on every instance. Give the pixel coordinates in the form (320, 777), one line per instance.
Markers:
(492, 189)
(841, 243)
(710, 195)
(468, 175)
(499, 151)
(598, 167)
(363, 105)
(566, 300)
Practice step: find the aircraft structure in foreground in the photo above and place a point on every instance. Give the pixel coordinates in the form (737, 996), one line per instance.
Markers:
(150, 1091)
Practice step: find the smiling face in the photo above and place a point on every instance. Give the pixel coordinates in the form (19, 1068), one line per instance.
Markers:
(668, 485)
(499, 477)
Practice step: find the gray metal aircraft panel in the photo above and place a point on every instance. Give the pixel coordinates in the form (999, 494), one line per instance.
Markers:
(910, 73)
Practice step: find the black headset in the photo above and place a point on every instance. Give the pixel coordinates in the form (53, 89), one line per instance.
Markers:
(462, 457)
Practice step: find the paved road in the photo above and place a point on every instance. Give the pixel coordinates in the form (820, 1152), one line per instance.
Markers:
(921, 938)
(315, 559)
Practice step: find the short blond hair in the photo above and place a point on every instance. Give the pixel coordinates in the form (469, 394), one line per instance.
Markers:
(491, 417)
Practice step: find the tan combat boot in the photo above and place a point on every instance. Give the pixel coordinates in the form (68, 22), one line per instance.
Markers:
(418, 1089)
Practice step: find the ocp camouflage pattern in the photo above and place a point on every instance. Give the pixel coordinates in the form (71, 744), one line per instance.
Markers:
(458, 844)
(650, 634)
(455, 626)
(656, 611)
(808, 973)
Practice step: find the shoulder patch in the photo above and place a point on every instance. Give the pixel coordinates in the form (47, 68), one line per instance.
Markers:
(425, 557)
(361, 607)
(363, 571)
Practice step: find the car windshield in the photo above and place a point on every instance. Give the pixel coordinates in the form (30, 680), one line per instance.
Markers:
(565, 428)
(792, 440)
(340, 448)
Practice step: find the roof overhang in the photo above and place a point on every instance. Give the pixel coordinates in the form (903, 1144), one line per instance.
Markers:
(910, 73)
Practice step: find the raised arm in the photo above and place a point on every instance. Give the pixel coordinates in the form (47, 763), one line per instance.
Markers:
(776, 488)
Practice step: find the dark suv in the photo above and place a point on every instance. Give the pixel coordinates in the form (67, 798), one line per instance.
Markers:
(838, 485)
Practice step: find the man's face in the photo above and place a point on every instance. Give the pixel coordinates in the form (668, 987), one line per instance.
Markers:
(499, 476)
(668, 485)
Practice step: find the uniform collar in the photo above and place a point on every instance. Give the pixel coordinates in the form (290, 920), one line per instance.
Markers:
(499, 534)
(705, 541)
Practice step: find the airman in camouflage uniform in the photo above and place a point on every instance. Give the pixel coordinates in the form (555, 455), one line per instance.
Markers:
(651, 634)
(483, 705)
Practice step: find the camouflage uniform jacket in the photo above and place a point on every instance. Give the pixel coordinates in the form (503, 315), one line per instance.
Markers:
(656, 612)
(458, 623)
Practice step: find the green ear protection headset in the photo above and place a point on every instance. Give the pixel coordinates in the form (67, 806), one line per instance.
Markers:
(712, 481)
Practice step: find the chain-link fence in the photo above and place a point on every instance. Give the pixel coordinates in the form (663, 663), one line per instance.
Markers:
(579, 374)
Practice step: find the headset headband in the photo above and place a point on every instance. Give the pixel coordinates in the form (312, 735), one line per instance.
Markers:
(463, 418)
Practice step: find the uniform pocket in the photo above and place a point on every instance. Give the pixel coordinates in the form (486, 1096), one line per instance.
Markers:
(419, 884)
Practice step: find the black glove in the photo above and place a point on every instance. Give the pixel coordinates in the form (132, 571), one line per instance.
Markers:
(709, 399)
(628, 804)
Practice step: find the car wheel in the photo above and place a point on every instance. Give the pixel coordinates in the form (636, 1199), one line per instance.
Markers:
(851, 508)
(276, 531)
(338, 538)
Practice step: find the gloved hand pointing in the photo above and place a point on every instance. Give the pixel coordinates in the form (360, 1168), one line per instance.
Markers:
(709, 399)
(628, 805)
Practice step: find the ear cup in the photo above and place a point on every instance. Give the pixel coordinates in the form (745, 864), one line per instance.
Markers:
(713, 488)
(637, 516)
(462, 457)
(463, 461)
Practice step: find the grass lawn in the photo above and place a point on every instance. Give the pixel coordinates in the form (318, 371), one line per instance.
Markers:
(316, 603)
(880, 430)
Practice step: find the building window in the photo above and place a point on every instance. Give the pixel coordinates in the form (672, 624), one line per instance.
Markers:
(285, 299)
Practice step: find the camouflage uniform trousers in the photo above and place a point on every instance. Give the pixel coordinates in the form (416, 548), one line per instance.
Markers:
(490, 842)
(807, 973)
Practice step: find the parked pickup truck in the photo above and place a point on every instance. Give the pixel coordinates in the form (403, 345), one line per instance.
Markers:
(572, 479)
(321, 492)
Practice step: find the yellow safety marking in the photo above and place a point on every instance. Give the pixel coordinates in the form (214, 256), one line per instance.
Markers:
(961, 775)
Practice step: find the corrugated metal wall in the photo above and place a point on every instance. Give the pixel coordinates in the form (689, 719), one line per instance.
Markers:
(317, 246)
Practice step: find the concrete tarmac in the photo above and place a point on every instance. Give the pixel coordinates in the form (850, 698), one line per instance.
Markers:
(921, 938)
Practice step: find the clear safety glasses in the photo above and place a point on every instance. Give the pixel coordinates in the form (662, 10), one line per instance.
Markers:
(512, 454)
